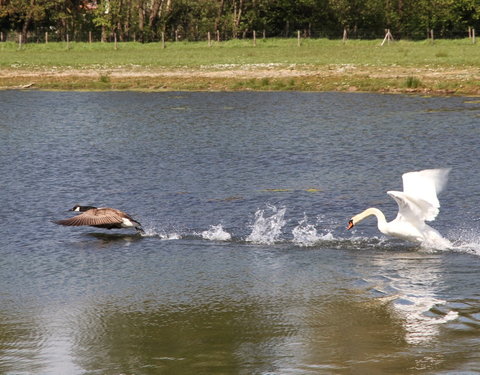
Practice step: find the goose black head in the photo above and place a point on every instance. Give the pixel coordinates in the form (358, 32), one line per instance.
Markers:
(78, 208)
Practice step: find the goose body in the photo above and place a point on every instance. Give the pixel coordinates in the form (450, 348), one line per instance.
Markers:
(417, 203)
(103, 217)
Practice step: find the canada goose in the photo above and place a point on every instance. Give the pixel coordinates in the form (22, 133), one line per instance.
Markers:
(103, 217)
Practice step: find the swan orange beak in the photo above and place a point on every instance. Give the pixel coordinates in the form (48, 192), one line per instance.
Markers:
(350, 225)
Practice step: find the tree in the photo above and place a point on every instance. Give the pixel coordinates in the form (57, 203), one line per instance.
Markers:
(468, 14)
(192, 19)
(22, 13)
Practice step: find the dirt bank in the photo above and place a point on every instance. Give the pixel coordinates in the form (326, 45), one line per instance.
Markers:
(230, 77)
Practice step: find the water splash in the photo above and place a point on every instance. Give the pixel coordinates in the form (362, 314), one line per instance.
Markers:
(216, 233)
(152, 232)
(466, 240)
(436, 243)
(306, 234)
(267, 229)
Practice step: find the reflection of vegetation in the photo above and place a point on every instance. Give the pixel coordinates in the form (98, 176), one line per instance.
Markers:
(334, 332)
(20, 343)
(350, 330)
(369, 336)
(209, 339)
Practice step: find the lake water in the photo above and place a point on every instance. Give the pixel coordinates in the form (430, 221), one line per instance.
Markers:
(246, 266)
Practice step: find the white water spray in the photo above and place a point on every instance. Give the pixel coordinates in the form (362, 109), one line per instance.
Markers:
(216, 233)
(152, 232)
(466, 240)
(267, 229)
(306, 234)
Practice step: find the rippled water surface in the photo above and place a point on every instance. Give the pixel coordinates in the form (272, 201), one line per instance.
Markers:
(246, 266)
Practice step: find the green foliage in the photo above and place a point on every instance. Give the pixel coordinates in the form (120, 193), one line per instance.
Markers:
(413, 82)
(146, 20)
(104, 78)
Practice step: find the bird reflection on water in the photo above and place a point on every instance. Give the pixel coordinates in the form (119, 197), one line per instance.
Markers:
(115, 237)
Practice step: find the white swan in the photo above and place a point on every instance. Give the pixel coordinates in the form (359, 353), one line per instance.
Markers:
(417, 203)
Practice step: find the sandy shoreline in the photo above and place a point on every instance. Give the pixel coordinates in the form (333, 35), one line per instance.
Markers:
(431, 80)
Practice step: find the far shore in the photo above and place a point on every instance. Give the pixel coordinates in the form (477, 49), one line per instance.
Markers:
(260, 77)
(446, 67)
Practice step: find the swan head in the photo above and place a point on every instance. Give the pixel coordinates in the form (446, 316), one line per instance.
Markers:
(355, 220)
(350, 224)
(368, 212)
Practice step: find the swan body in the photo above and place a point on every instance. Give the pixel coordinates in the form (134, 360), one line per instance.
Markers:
(104, 217)
(417, 203)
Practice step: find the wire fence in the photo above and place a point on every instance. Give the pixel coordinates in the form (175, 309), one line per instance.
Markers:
(177, 35)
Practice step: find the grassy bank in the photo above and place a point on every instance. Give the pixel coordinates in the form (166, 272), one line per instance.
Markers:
(446, 66)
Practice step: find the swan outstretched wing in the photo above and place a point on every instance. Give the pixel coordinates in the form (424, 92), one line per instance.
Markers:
(412, 209)
(425, 185)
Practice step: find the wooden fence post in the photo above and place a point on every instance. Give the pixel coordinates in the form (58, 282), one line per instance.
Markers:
(473, 35)
(209, 39)
(90, 37)
(254, 38)
(163, 40)
(115, 40)
(388, 37)
(20, 41)
(298, 38)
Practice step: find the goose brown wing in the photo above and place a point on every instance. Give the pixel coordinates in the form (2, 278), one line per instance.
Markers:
(112, 212)
(115, 212)
(92, 218)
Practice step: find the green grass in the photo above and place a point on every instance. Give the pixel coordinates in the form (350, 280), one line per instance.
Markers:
(413, 82)
(444, 67)
(104, 79)
(283, 52)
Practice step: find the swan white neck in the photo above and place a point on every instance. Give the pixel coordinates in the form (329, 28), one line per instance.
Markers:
(381, 221)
